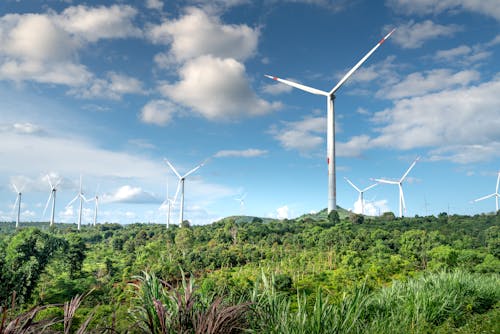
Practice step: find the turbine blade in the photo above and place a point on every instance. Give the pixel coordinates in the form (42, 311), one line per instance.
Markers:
(15, 204)
(386, 181)
(50, 183)
(17, 190)
(498, 182)
(58, 183)
(177, 191)
(409, 169)
(298, 86)
(47, 204)
(193, 170)
(369, 187)
(173, 169)
(401, 194)
(83, 197)
(72, 201)
(484, 197)
(352, 70)
(352, 184)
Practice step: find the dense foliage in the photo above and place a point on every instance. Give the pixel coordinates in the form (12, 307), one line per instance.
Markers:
(315, 274)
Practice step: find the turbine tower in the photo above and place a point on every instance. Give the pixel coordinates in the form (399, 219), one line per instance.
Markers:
(17, 203)
(361, 192)
(82, 199)
(330, 98)
(399, 183)
(495, 194)
(52, 195)
(180, 186)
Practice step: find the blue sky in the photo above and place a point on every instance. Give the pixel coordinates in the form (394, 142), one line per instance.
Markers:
(108, 89)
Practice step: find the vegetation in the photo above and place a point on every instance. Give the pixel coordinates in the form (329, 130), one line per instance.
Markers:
(337, 273)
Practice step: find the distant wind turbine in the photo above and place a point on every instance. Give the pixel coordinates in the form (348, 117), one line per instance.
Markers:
(180, 186)
(82, 199)
(330, 98)
(52, 195)
(17, 203)
(169, 202)
(399, 183)
(495, 194)
(241, 199)
(361, 192)
(96, 205)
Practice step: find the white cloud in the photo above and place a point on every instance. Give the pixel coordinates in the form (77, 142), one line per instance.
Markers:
(458, 124)
(154, 4)
(196, 34)
(44, 48)
(371, 208)
(158, 112)
(94, 23)
(484, 7)
(248, 153)
(422, 83)
(413, 35)
(283, 212)
(305, 135)
(129, 194)
(217, 89)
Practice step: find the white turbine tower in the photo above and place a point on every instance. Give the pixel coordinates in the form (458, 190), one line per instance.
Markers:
(495, 194)
(17, 203)
(399, 183)
(82, 199)
(361, 192)
(330, 98)
(180, 186)
(52, 195)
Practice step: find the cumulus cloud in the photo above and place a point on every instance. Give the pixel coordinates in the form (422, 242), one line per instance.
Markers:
(371, 208)
(283, 212)
(217, 89)
(422, 83)
(130, 194)
(422, 7)
(95, 23)
(154, 4)
(459, 124)
(413, 35)
(248, 153)
(158, 112)
(44, 48)
(196, 34)
(305, 135)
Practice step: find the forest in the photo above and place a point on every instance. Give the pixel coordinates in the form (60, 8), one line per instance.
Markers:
(318, 273)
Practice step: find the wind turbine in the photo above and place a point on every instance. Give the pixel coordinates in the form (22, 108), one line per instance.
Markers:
(399, 183)
(52, 195)
(495, 194)
(180, 186)
(82, 198)
(96, 206)
(241, 199)
(168, 201)
(360, 198)
(330, 98)
(17, 203)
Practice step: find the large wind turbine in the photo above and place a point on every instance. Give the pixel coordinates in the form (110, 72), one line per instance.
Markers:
(330, 98)
(241, 199)
(361, 192)
(52, 195)
(17, 203)
(399, 183)
(82, 199)
(495, 194)
(180, 186)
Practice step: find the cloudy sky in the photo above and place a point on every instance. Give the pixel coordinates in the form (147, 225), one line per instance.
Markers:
(109, 89)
